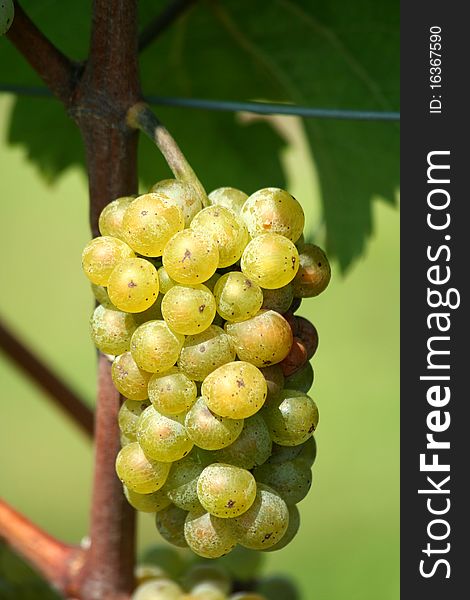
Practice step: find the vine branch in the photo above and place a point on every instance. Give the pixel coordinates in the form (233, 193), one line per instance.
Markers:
(165, 19)
(62, 395)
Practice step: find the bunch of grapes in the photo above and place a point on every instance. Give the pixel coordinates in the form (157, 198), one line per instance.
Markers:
(197, 311)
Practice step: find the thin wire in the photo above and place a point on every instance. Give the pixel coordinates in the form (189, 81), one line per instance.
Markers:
(261, 108)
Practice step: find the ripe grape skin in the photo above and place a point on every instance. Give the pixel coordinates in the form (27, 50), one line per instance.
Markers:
(278, 299)
(101, 295)
(305, 452)
(154, 313)
(291, 532)
(179, 193)
(139, 473)
(128, 417)
(181, 485)
(314, 272)
(271, 260)
(204, 352)
(149, 503)
(110, 220)
(296, 358)
(291, 417)
(111, 330)
(225, 490)
(251, 448)
(101, 255)
(190, 257)
(158, 589)
(133, 285)
(209, 431)
(172, 392)
(301, 380)
(162, 437)
(292, 479)
(204, 573)
(155, 347)
(207, 535)
(228, 197)
(165, 281)
(149, 223)
(274, 379)
(246, 596)
(129, 380)
(229, 233)
(263, 340)
(237, 297)
(206, 590)
(188, 309)
(236, 390)
(273, 210)
(170, 525)
(265, 522)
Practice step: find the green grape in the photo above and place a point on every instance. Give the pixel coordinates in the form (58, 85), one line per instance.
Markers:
(242, 563)
(305, 453)
(190, 257)
(272, 210)
(149, 503)
(228, 197)
(110, 221)
(291, 531)
(206, 590)
(314, 272)
(162, 437)
(225, 490)
(128, 417)
(210, 431)
(129, 380)
(207, 535)
(210, 283)
(154, 313)
(179, 193)
(271, 260)
(204, 352)
(7, 13)
(111, 330)
(246, 596)
(170, 525)
(181, 485)
(149, 223)
(300, 243)
(301, 380)
(251, 448)
(291, 418)
(133, 285)
(274, 379)
(155, 347)
(292, 479)
(170, 559)
(188, 310)
(172, 392)
(277, 588)
(278, 299)
(139, 473)
(213, 574)
(263, 340)
(236, 390)
(101, 295)
(124, 440)
(229, 233)
(144, 572)
(237, 297)
(158, 589)
(101, 255)
(265, 522)
(165, 281)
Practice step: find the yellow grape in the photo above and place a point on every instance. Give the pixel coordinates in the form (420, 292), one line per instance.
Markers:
(139, 473)
(271, 260)
(163, 438)
(158, 589)
(133, 285)
(128, 417)
(263, 340)
(236, 390)
(228, 197)
(188, 309)
(165, 281)
(208, 430)
(101, 255)
(291, 531)
(149, 223)
(111, 330)
(272, 210)
(155, 347)
(190, 257)
(129, 380)
(172, 392)
(207, 535)
(110, 220)
(237, 297)
(180, 194)
(314, 273)
(149, 503)
(101, 295)
(226, 491)
(229, 233)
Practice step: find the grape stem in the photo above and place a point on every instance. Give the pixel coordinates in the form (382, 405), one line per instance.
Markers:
(167, 17)
(62, 395)
(140, 116)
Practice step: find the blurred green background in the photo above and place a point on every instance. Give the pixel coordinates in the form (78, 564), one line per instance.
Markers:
(348, 545)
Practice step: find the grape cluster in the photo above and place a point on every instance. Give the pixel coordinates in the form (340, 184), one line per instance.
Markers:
(197, 310)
